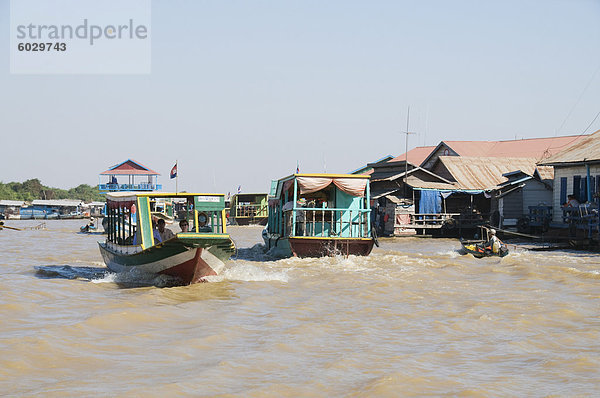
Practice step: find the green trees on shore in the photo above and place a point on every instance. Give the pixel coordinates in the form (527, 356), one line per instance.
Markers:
(33, 189)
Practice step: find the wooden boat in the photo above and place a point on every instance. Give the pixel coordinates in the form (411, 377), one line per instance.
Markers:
(189, 256)
(476, 249)
(315, 215)
(249, 209)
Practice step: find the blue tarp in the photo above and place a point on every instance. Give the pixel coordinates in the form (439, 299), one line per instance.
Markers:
(431, 202)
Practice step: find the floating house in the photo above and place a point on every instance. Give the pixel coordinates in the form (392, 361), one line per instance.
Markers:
(577, 173)
(461, 184)
(11, 209)
(48, 209)
(249, 209)
(94, 209)
(129, 175)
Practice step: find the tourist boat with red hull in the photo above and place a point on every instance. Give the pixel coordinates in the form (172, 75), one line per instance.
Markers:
(315, 215)
(132, 242)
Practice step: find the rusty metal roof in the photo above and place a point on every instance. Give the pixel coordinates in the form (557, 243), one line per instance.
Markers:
(539, 148)
(545, 172)
(416, 155)
(586, 150)
(129, 167)
(484, 172)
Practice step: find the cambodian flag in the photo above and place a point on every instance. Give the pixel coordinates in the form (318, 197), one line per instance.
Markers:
(239, 189)
(174, 171)
(297, 167)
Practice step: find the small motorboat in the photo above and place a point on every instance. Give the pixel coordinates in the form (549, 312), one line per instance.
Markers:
(477, 249)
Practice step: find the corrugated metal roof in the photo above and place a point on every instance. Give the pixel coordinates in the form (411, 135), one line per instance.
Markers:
(59, 202)
(539, 148)
(484, 172)
(396, 174)
(368, 168)
(379, 194)
(416, 182)
(129, 167)
(546, 172)
(11, 203)
(96, 204)
(416, 155)
(587, 149)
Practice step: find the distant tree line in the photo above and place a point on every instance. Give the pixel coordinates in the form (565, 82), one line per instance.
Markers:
(33, 189)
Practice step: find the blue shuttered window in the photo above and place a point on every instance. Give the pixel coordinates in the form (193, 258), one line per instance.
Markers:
(563, 190)
(577, 187)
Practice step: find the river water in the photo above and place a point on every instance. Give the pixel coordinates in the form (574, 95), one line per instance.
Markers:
(414, 318)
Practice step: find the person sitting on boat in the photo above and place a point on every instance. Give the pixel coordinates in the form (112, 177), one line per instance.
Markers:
(494, 243)
(89, 226)
(155, 233)
(202, 221)
(165, 233)
(184, 225)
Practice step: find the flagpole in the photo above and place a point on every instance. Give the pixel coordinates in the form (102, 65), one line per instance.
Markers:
(176, 176)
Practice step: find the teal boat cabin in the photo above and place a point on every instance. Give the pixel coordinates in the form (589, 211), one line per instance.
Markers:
(313, 215)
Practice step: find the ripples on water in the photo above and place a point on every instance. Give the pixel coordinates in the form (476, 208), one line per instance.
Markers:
(414, 318)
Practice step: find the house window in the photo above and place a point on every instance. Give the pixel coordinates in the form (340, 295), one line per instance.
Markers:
(563, 190)
(583, 190)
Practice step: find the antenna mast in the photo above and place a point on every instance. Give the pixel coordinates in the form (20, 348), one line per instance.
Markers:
(406, 149)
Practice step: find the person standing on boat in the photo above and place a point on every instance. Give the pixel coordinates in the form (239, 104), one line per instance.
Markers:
(165, 233)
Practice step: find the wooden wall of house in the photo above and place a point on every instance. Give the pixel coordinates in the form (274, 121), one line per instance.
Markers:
(569, 173)
(442, 171)
(443, 150)
(513, 204)
(536, 193)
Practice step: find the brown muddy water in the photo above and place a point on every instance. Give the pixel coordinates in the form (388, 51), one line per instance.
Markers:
(413, 319)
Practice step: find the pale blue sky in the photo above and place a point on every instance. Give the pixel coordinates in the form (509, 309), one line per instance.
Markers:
(241, 90)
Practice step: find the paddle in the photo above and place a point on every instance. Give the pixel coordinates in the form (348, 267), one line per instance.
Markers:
(4, 226)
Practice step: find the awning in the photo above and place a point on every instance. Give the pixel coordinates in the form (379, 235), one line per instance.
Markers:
(351, 186)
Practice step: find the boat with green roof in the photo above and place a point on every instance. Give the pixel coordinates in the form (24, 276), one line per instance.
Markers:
(190, 256)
